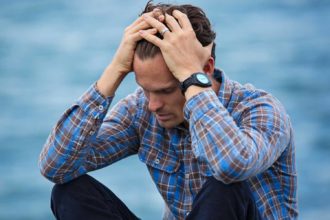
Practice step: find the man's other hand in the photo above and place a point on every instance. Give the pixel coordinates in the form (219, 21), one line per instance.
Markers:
(123, 58)
(122, 62)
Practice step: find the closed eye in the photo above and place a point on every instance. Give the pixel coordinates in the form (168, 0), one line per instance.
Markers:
(161, 91)
(168, 91)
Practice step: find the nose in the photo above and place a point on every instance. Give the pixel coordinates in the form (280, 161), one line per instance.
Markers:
(155, 103)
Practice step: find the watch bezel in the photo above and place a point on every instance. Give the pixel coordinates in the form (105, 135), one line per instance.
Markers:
(201, 80)
(194, 80)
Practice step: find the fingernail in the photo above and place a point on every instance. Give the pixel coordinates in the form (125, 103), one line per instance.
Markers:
(161, 17)
(141, 32)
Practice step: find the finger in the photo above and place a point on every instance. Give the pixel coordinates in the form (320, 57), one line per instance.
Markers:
(172, 23)
(140, 26)
(151, 38)
(137, 36)
(157, 13)
(161, 18)
(183, 19)
(154, 22)
(140, 19)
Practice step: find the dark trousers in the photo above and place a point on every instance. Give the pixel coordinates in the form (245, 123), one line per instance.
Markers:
(86, 198)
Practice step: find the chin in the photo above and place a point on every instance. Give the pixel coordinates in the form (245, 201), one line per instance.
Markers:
(166, 125)
(169, 124)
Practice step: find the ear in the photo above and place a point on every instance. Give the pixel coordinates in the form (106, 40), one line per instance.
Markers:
(209, 67)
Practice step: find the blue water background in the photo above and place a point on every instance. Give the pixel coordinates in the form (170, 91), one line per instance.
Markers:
(52, 51)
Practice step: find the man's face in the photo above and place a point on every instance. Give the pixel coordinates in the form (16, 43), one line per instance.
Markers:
(161, 89)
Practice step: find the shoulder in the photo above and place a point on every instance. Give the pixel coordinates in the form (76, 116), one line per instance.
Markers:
(247, 99)
(135, 104)
(248, 94)
(133, 101)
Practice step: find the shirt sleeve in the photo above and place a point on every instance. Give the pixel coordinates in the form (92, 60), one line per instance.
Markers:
(85, 139)
(240, 144)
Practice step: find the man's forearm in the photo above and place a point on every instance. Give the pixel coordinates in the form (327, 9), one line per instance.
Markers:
(194, 90)
(64, 154)
(109, 81)
(236, 150)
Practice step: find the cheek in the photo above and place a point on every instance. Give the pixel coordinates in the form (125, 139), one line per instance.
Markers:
(177, 101)
(146, 94)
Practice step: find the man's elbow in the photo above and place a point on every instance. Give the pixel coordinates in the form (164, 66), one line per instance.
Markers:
(47, 173)
(235, 171)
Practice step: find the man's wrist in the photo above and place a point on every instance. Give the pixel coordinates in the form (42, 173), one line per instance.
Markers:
(193, 91)
(186, 74)
(109, 81)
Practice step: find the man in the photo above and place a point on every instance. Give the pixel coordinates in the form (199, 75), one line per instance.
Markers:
(215, 149)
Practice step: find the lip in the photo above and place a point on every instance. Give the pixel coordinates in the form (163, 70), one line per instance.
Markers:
(163, 117)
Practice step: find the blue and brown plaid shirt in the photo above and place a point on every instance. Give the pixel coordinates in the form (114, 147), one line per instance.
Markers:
(241, 133)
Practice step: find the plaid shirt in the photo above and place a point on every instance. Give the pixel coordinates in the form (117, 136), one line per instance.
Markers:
(240, 134)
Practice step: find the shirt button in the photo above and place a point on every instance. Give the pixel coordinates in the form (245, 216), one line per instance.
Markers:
(187, 175)
(91, 132)
(101, 107)
(187, 214)
(157, 161)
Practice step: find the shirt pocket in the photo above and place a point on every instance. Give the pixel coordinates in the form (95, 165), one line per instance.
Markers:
(163, 169)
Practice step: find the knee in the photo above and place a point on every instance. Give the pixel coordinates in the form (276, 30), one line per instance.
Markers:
(62, 191)
(238, 190)
(217, 200)
(57, 192)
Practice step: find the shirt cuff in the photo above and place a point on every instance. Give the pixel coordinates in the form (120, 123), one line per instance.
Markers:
(199, 104)
(94, 103)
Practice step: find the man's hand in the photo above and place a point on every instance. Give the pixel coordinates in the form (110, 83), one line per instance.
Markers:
(124, 56)
(121, 64)
(182, 51)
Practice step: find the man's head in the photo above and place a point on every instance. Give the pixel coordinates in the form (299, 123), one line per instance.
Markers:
(161, 88)
(197, 18)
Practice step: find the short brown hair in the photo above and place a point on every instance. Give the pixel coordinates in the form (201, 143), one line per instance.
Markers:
(197, 18)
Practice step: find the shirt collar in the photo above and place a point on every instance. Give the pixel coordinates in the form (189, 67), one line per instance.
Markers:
(225, 90)
(179, 129)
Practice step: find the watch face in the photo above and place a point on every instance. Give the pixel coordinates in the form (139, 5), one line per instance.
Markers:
(202, 78)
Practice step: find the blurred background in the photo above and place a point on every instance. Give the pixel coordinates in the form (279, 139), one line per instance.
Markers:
(52, 51)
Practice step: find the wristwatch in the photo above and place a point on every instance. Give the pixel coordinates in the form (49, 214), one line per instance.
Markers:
(197, 79)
